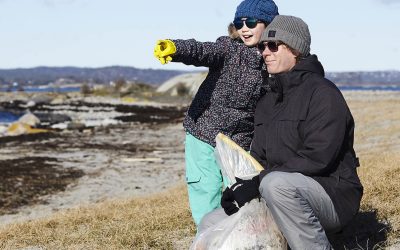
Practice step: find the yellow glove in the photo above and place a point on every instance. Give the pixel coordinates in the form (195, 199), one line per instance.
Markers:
(163, 50)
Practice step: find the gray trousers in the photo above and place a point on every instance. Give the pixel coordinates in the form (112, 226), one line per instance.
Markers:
(300, 206)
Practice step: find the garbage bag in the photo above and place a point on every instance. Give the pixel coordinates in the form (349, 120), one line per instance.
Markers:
(253, 226)
(234, 161)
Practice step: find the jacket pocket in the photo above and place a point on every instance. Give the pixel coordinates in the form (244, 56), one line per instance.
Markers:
(193, 175)
(192, 178)
(290, 133)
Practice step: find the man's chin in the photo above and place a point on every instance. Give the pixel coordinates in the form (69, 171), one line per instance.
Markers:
(271, 70)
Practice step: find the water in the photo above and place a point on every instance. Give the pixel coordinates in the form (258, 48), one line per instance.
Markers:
(8, 117)
(41, 89)
(369, 88)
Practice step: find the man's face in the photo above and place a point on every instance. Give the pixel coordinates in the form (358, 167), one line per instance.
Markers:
(278, 57)
(251, 36)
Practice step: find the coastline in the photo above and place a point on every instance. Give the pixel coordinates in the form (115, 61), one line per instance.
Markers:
(136, 159)
(122, 150)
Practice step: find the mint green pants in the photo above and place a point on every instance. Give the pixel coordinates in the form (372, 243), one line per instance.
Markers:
(203, 177)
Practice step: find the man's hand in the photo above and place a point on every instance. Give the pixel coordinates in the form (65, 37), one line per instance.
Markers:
(245, 190)
(240, 193)
(228, 203)
(164, 50)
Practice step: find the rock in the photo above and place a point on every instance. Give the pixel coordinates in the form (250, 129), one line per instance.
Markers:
(61, 126)
(128, 99)
(3, 129)
(51, 118)
(30, 104)
(76, 126)
(59, 99)
(42, 99)
(29, 119)
(185, 84)
(19, 128)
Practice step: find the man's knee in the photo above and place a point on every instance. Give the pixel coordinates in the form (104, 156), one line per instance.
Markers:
(275, 186)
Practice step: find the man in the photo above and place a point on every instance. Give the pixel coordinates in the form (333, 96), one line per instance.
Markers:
(304, 134)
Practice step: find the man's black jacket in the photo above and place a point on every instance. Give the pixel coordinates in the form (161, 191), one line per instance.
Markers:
(305, 126)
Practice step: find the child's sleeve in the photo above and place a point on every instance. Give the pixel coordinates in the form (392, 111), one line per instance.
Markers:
(205, 54)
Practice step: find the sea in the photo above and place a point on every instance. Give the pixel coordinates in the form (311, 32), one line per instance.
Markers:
(33, 89)
(369, 88)
(7, 117)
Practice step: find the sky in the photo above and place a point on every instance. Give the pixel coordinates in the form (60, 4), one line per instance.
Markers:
(347, 35)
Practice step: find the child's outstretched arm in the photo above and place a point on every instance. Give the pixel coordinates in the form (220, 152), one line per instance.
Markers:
(192, 52)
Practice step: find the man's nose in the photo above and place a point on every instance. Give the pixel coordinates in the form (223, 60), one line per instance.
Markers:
(266, 52)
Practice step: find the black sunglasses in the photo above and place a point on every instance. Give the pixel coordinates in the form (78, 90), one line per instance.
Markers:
(250, 23)
(273, 46)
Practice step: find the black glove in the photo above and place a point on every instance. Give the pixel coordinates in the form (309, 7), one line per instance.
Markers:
(241, 192)
(227, 202)
(245, 190)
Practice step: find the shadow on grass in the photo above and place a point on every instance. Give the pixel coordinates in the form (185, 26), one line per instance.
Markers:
(364, 232)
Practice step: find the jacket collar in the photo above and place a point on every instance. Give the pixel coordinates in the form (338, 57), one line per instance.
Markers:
(283, 83)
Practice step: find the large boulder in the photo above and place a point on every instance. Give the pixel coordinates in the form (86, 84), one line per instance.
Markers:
(185, 84)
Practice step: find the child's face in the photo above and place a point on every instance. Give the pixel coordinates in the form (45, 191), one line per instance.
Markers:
(251, 36)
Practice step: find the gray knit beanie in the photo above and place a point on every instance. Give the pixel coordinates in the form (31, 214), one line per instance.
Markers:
(290, 30)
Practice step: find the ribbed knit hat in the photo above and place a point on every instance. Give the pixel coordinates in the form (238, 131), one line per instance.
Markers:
(291, 30)
(263, 10)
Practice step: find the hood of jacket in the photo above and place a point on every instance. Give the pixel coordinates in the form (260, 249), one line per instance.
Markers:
(282, 83)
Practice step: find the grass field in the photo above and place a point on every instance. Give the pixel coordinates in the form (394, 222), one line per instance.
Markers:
(163, 221)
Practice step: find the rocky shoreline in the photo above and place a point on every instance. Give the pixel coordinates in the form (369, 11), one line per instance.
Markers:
(118, 150)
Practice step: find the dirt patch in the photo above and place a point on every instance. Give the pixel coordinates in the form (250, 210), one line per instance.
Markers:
(25, 180)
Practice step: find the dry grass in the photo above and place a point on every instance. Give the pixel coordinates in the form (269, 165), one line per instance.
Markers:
(377, 144)
(163, 221)
(379, 175)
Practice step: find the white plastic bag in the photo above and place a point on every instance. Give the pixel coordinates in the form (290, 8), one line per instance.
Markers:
(253, 226)
(234, 161)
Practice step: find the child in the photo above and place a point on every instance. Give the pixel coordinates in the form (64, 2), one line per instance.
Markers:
(225, 101)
